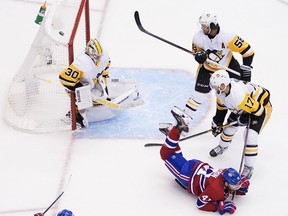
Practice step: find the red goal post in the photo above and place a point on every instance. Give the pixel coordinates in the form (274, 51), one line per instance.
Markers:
(37, 102)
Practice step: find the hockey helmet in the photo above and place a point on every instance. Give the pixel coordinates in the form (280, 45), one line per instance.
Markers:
(65, 212)
(207, 19)
(94, 49)
(232, 179)
(219, 81)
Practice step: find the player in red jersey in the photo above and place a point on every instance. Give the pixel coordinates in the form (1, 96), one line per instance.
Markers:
(211, 186)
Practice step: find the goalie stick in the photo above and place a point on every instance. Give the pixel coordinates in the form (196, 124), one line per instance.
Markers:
(194, 135)
(134, 103)
(139, 24)
(116, 102)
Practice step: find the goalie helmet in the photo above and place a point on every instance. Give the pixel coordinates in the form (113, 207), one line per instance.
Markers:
(65, 212)
(219, 81)
(208, 19)
(232, 179)
(94, 49)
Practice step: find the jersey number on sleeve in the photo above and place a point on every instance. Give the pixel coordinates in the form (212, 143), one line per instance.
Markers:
(249, 103)
(72, 73)
(239, 42)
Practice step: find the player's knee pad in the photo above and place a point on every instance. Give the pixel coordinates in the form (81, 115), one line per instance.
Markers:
(194, 102)
(230, 130)
(252, 137)
(199, 96)
(227, 136)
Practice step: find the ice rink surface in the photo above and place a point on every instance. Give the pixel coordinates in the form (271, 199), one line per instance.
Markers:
(116, 175)
(160, 91)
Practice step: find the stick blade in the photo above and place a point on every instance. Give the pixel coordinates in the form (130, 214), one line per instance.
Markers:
(132, 104)
(138, 22)
(108, 103)
(152, 144)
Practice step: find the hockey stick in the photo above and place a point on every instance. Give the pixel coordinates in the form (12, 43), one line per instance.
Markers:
(243, 152)
(134, 103)
(107, 103)
(245, 143)
(53, 202)
(116, 103)
(57, 197)
(194, 135)
(139, 24)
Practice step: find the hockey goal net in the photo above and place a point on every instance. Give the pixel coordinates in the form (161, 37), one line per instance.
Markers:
(37, 102)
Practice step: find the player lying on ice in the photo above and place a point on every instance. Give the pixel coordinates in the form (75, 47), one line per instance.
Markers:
(211, 186)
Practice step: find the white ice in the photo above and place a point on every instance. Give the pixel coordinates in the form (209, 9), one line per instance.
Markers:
(119, 176)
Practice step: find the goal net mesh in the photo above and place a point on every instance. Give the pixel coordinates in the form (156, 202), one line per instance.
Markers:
(37, 102)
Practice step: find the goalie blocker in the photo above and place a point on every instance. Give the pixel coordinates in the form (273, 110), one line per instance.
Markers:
(83, 97)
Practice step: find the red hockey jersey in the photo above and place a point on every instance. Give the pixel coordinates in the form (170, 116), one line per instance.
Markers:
(207, 184)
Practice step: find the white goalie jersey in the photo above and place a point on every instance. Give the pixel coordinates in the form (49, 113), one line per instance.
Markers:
(91, 71)
(84, 70)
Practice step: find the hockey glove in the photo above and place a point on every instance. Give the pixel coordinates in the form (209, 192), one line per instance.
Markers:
(200, 57)
(226, 207)
(243, 119)
(216, 130)
(246, 72)
(244, 186)
(38, 214)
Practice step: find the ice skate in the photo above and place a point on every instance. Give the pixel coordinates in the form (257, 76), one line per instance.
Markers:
(247, 172)
(165, 128)
(218, 150)
(80, 121)
(182, 119)
(67, 118)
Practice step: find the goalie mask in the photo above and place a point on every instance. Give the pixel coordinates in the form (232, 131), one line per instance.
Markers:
(232, 179)
(219, 81)
(94, 50)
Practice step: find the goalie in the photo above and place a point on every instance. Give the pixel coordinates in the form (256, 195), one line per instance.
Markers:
(89, 68)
